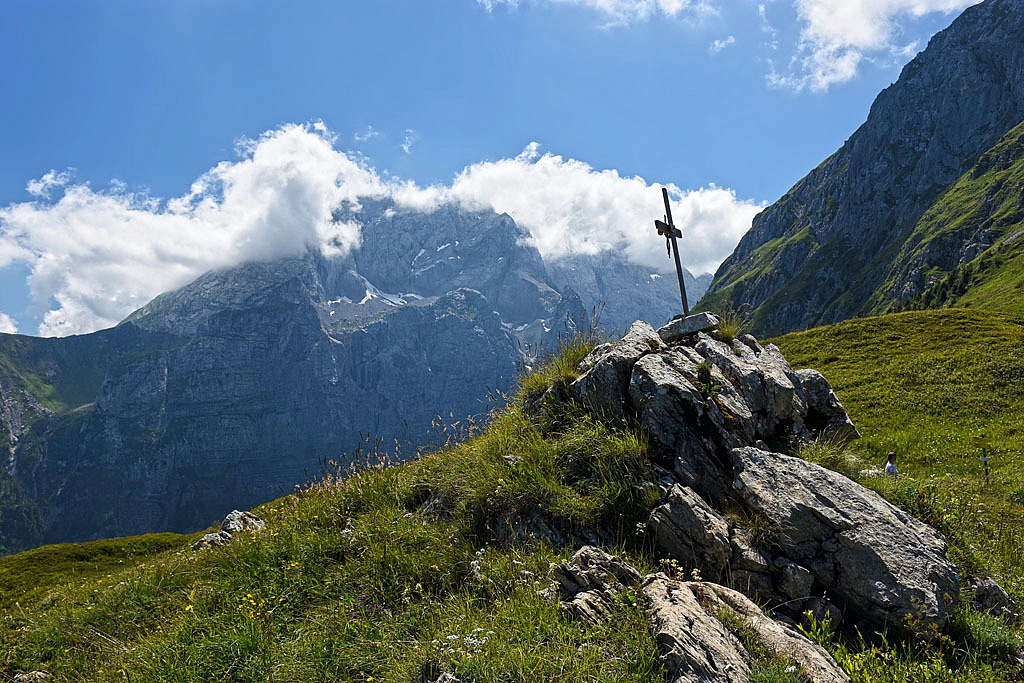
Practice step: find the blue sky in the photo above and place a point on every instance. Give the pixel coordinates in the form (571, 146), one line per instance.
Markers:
(154, 94)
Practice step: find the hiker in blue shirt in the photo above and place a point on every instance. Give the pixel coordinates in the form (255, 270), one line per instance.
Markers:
(890, 466)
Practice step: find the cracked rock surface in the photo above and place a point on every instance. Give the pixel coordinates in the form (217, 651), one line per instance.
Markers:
(783, 531)
(868, 552)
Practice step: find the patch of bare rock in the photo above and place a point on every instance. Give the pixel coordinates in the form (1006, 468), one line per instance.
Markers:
(775, 528)
(703, 630)
(235, 523)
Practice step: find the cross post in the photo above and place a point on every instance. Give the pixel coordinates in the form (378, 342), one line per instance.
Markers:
(670, 232)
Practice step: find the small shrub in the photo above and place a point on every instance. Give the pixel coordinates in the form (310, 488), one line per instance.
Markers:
(734, 322)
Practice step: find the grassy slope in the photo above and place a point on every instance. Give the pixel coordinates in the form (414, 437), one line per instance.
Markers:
(353, 582)
(28, 576)
(925, 384)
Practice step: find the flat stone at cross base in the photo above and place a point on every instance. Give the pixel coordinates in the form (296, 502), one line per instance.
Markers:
(689, 325)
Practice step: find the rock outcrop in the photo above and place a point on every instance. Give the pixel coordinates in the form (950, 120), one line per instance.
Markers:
(782, 530)
(703, 630)
(235, 523)
(696, 627)
(587, 584)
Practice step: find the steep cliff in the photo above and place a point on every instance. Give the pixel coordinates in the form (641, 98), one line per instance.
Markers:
(831, 248)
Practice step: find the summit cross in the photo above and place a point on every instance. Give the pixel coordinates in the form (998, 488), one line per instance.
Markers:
(670, 232)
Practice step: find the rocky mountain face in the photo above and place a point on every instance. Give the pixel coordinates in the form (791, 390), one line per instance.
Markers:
(246, 381)
(622, 289)
(756, 524)
(836, 245)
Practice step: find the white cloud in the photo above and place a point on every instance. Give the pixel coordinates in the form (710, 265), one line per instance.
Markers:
(624, 11)
(837, 35)
(409, 139)
(719, 45)
(41, 187)
(569, 207)
(7, 325)
(96, 255)
(369, 134)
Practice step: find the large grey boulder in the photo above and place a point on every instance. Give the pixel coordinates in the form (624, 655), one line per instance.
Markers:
(604, 381)
(688, 530)
(825, 413)
(868, 554)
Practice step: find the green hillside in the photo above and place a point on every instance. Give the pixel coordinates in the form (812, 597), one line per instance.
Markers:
(988, 199)
(356, 580)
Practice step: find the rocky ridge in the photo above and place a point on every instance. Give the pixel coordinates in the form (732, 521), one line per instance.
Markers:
(760, 524)
(842, 240)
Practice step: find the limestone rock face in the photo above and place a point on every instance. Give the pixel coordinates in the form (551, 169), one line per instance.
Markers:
(868, 553)
(239, 385)
(602, 386)
(620, 289)
(695, 647)
(687, 529)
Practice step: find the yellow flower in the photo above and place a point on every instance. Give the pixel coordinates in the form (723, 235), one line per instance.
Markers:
(188, 608)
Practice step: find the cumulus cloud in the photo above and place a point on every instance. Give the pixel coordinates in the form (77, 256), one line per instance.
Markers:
(624, 11)
(837, 35)
(7, 325)
(570, 207)
(43, 186)
(719, 45)
(94, 256)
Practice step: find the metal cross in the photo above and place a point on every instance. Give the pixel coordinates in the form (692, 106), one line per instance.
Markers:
(670, 232)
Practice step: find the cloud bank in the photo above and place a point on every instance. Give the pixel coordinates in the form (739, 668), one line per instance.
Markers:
(569, 207)
(7, 325)
(97, 255)
(837, 35)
